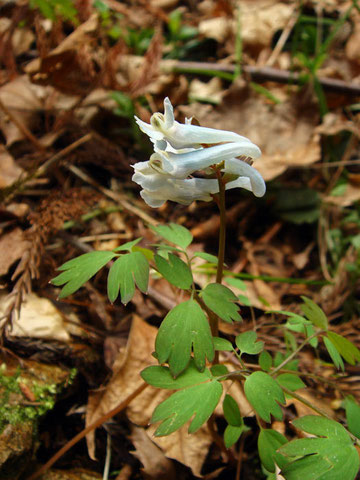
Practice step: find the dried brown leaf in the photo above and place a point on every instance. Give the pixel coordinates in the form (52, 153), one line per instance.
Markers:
(12, 247)
(285, 132)
(156, 464)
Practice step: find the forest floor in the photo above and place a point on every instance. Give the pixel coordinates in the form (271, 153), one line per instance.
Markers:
(285, 74)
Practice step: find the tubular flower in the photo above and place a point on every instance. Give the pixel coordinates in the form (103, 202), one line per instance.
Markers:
(164, 128)
(181, 150)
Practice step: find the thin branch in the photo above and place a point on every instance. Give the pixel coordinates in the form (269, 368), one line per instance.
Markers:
(259, 74)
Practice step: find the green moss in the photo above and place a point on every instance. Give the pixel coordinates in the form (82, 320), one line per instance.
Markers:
(26, 394)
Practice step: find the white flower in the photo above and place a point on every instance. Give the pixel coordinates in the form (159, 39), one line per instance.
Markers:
(182, 150)
(164, 128)
(160, 187)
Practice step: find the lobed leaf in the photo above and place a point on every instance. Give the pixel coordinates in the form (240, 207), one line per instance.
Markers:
(127, 270)
(198, 401)
(174, 233)
(79, 270)
(160, 377)
(246, 343)
(175, 271)
(184, 328)
(328, 456)
(220, 300)
(264, 394)
(268, 443)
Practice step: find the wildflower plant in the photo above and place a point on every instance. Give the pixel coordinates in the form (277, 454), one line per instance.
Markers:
(196, 163)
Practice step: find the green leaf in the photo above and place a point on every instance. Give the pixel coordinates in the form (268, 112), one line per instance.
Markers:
(246, 343)
(220, 300)
(352, 410)
(328, 456)
(128, 245)
(334, 354)
(199, 400)
(127, 270)
(174, 233)
(148, 254)
(222, 344)
(79, 270)
(313, 312)
(290, 341)
(207, 257)
(175, 271)
(268, 442)
(265, 360)
(289, 381)
(160, 377)
(231, 411)
(184, 328)
(236, 282)
(264, 394)
(347, 350)
(219, 370)
(232, 434)
(299, 324)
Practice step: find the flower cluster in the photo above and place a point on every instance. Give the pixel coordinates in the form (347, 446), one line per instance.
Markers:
(183, 149)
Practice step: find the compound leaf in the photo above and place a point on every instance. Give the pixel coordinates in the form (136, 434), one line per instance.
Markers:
(264, 394)
(268, 442)
(328, 456)
(176, 234)
(199, 401)
(220, 300)
(184, 328)
(175, 271)
(246, 343)
(160, 377)
(79, 270)
(313, 312)
(127, 270)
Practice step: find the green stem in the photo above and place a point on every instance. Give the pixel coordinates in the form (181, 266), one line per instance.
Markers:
(294, 353)
(222, 233)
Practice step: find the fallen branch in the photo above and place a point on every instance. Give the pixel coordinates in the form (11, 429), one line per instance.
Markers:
(259, 74)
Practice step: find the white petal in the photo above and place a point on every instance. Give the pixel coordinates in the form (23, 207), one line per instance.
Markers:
(184, 164)
(182, 136)
(242, 169)
(168, 113)
(149, 130)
